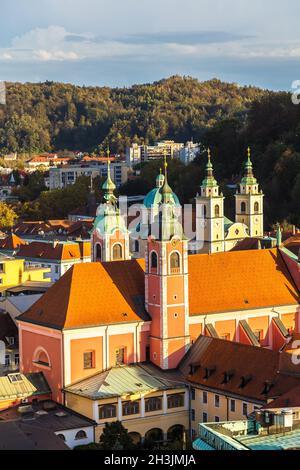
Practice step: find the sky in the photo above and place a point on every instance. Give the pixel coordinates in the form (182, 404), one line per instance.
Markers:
(123, 42)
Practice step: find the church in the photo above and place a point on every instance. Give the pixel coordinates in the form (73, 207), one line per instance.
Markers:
(121, 309)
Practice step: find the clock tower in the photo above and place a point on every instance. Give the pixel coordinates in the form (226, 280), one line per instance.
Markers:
(210, 214)
(166, 284)
(249, 201)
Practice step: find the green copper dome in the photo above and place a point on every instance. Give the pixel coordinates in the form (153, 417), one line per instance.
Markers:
(154, 197)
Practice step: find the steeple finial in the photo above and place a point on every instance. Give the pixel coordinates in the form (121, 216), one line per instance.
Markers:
(209, 180)
(109, 186)
(248, 178)
(166, 190)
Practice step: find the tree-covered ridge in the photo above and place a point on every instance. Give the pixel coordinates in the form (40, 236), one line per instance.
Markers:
(55, 116)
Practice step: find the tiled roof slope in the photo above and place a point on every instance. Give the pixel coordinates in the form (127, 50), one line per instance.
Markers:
(262, 370)
(100, 293)
(90, 294)
(11, 242)
(50, 251)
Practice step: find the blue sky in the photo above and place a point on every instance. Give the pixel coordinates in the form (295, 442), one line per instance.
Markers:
(121, 42)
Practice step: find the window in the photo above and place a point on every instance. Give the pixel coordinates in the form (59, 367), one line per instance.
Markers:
(243, 207)
(204, 211)
(153, 404)
(117, 252)
(193, 394)
(225, 336)
(2, 268)
(204, 417)
(217, 419)
(176, 401)
(120, 356)
(107, 411)
(131, 408)
(81, 435)
(153, 263)
(175, 262)
(217, 210)
(136, 246)
(61, 436)
(42, 358)
(204, 397)
(147, 353)
(17, 359)
(193, 415)
(232, 406)
(256, 207)
(7, 360)
(56, 269)
(217, 401)
(98, 252)
(245, 409)
(259, 335)
(11, 340)
(88, 360)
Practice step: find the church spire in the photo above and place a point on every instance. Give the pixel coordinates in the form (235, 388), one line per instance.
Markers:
(109, 186)
(166, 189)
(209, 181)
(248, 172)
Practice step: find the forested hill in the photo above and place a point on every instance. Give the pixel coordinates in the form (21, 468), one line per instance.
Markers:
(56, 116)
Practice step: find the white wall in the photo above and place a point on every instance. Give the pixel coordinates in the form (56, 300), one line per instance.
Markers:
(71, 433)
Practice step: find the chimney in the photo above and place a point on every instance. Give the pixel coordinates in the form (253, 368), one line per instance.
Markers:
(55, 243)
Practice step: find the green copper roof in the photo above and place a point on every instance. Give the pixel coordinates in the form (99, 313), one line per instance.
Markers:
(209, 181)
(248, 178)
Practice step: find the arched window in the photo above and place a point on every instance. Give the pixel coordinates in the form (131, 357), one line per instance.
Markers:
(98, 252)
(81, 435)
(61, 436)
(117, 252)
(175, 261)
(256, 207)
(41, 357)
(204, 211)
(153, 260)
(217, 211)
(136, 246)
(243, 207)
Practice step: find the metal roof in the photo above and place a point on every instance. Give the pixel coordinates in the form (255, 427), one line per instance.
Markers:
(28, 385)
(123, 381)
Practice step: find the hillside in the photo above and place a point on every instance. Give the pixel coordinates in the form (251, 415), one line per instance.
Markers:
(55, 116)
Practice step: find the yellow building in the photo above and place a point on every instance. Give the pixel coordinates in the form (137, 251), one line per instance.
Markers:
(14, 272)
(150, 404)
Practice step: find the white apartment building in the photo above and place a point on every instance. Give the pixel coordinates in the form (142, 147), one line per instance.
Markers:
(62, 177)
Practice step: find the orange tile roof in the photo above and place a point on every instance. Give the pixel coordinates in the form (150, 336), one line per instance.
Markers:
(11, 242)
(239, 280)
(256, 365)
(217, 283)
(290, 399)
(90, 294)
(50, 251)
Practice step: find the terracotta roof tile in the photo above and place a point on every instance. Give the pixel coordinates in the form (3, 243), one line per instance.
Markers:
(257, 366)
(90, 294)
(223, 282)
(11, 242)
(50, 251)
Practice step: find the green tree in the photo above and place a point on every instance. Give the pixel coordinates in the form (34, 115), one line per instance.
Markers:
(115, 436)
(7, 216)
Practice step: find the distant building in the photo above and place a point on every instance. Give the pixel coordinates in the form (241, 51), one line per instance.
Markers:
(9, 345)
(64, 176)
(189, 152)
(141, 153)
(43, 425)
(57, 256)
(16, 388)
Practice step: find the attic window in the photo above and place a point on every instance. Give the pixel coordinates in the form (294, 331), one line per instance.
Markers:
(15, 378)
(267, 388)
(194, 368)
(124, 314)
(209, 372)
(246, 301)
(227, 377)
(245, 380)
